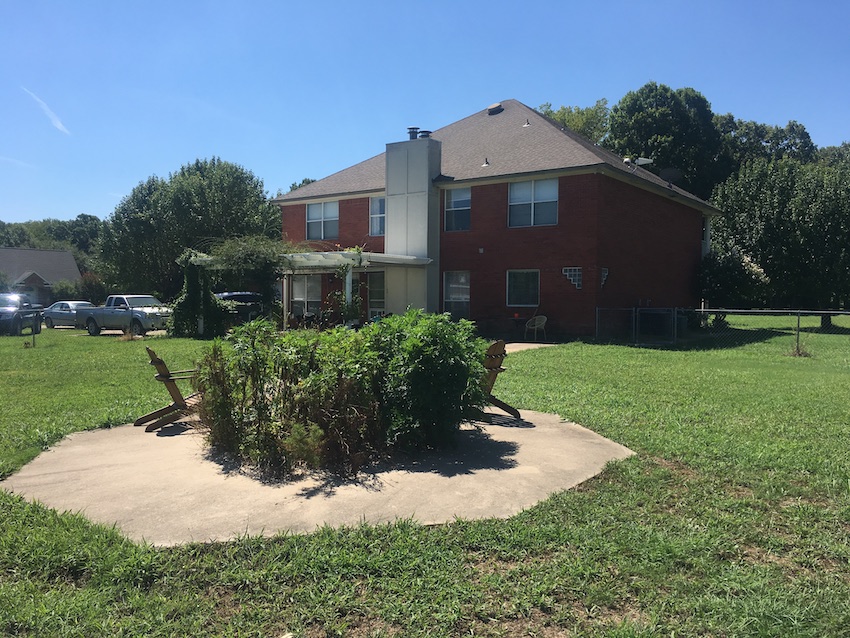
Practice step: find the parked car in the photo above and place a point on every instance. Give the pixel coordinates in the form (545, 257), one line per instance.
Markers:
(244, 306)
(17, 313)
(64, 313)
(134, 313)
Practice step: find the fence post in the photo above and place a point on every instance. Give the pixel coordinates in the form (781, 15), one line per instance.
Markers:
(798, 331)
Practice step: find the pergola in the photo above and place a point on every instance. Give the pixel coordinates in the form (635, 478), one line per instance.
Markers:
(334, 261)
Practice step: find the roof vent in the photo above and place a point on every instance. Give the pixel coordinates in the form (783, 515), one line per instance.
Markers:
(412, 132)
(495, 109)
(424, 134)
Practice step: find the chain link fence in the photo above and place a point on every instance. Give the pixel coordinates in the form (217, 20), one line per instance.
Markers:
(717, 328)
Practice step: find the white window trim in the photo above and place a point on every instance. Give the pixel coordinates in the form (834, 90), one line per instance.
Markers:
(507, 288)
(322, 221)
(446, 299)
(535, 201)
(378, 216)
(453, 209)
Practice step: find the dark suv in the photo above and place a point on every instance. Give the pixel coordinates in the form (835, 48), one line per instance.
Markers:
(17, 313)
(244, 306)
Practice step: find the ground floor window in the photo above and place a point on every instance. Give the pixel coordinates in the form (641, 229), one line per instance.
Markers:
(306, 294)
(523, 288)
(456, 293)
(377, 294)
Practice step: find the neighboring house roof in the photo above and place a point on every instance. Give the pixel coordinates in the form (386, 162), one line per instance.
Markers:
(50, 265)
(512, 141)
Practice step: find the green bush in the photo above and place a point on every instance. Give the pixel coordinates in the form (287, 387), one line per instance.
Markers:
(339, 398)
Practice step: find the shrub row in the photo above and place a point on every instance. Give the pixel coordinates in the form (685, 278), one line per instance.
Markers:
(340, 398)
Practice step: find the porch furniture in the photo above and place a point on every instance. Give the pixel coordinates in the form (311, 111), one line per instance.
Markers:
(180, 407)
(493, 359)
(536, 323)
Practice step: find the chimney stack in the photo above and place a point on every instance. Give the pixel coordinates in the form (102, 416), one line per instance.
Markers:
(413, 132)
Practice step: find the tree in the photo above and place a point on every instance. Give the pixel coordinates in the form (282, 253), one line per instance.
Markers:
(742, 141)
(14, 236)
(591, 121)
(296, 185)
(673, 128)
(203, 203)
(793, 219)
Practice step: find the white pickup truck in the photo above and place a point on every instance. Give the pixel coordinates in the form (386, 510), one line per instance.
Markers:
(136, 314)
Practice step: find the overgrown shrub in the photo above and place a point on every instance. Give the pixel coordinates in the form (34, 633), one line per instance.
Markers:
(429, 373)
(339, 398)
(197, 313)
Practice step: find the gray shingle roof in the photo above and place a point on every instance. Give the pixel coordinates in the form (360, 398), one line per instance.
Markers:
(51, 265)
(510, 149)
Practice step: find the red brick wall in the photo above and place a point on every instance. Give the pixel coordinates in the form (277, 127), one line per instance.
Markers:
(651, 246)
(353, 226)
(572, 242)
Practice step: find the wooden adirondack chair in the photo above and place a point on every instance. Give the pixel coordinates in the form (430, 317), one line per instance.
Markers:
(180, 407)
(493, 359)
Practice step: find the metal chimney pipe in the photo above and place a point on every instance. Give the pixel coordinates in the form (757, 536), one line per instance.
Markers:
(424, 134)
(412, 132)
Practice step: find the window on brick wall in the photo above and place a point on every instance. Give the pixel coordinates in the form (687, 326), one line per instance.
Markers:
(533, 203)
(323, 220)
(306, 294)
(458, 206)
(377, 216)
(523, 288)
(456, 293)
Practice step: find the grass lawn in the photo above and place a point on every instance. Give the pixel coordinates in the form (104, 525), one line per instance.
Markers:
(732, 520)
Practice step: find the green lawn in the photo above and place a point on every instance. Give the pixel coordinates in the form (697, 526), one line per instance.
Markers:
(732, 520)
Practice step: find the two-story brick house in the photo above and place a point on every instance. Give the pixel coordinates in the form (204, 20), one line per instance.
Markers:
(497, 217)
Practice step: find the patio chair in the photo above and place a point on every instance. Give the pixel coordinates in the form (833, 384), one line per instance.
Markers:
(493, 359)
(536, 323)
(180, 407)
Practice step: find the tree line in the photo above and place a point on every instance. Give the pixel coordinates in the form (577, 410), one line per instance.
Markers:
(783, 239)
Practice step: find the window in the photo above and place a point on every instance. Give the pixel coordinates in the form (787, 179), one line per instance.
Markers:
(458, 204)
(306, 294)
(456, 293)
(377, 294)
(533, 203)
(523, 287)
(573, 273)
(377, 216)
(323, 220)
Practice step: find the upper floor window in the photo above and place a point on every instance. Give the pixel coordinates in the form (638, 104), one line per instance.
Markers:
(323, 220)
(458, 205)
(533, 203)
(377, 216)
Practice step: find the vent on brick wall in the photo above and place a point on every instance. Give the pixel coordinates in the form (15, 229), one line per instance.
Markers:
(574, 275)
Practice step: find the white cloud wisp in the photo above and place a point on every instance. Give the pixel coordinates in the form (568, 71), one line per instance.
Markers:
(54, 119)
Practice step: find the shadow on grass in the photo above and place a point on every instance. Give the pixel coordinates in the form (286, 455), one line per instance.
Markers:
(717, 339)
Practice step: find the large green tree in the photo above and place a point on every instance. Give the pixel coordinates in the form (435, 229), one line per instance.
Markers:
(590, 121)
(793, 220)
(673, 128)
(202, 204)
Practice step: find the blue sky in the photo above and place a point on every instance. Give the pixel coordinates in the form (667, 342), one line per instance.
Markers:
(97, 96)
